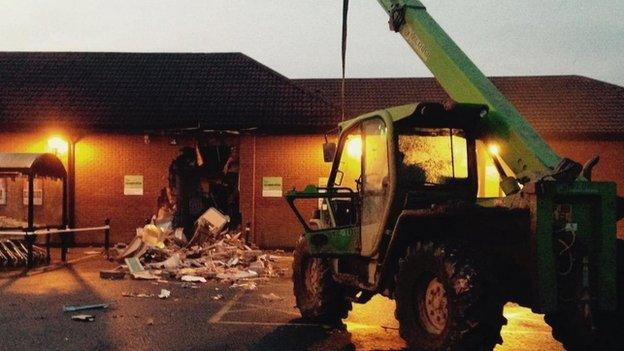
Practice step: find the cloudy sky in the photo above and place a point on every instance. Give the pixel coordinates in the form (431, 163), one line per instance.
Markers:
(301, 38)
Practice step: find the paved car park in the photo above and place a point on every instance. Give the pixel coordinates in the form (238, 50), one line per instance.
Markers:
(209, 317)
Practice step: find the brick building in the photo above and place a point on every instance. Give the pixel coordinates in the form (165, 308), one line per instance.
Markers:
(129, 114)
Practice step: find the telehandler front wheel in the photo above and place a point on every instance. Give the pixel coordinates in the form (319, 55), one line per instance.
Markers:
(319, 297)
(443, 301)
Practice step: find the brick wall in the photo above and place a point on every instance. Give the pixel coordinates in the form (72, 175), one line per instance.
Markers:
(299, 161)
(102, 160)
(610, 167)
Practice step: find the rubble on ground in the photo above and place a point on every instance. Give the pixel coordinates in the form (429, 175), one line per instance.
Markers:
(112, 274)
(83, 318)
(271, 297)
(245, 286)
(159, 252)
(164, 294)
(85, 307)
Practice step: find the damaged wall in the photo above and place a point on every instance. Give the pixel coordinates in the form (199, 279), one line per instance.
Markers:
(104, 159)
(101, 163)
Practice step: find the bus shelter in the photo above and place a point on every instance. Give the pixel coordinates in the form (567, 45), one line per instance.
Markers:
(33, 204)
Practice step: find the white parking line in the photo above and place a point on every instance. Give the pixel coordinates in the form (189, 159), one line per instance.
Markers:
(272, 324)
(270, 308)
(221, 312)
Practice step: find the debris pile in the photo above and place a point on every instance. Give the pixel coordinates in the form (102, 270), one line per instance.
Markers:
(159, 252)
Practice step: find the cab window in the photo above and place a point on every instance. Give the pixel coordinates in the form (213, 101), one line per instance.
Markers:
(433, 156)
(350, 167)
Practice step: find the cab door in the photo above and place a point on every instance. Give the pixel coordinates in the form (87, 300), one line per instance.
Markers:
(374, 183)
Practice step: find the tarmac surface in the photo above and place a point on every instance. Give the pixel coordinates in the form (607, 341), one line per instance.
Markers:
(210, 317)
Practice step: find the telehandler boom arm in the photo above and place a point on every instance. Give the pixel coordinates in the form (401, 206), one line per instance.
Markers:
(524, 151)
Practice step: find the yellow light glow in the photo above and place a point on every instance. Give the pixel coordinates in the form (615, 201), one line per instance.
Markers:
(494, 149)
(354, 147)
(58, 145)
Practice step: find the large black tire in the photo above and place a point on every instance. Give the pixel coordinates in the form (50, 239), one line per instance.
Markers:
(607, 330)
(569, 328)
(319, 297)
(444, 302)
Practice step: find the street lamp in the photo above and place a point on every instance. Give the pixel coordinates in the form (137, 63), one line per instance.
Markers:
(59, 145)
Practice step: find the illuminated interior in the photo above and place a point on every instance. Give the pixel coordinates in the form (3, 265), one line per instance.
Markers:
(427, 158)
(351, 160)
(354, 147)
(432, 153)
(489, 179)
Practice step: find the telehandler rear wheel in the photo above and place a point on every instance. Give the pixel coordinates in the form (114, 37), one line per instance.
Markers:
(603, 331)
(569, 328)
(319, 297)
(443, 301)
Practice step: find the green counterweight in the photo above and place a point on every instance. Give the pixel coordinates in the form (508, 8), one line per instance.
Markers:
(521, 147)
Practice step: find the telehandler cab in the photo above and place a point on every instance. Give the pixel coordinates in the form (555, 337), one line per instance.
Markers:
(400, 216)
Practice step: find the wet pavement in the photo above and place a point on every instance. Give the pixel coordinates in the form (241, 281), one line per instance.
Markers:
(210, 317)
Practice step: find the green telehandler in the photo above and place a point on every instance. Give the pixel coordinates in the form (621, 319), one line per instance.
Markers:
(400, 217)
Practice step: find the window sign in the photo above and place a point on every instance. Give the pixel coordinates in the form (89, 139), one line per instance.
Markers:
(38, 194)
(3, 191)
(133, 185)
(271, 186)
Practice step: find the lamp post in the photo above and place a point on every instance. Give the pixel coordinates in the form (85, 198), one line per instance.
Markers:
(71, 186)
(67, 146)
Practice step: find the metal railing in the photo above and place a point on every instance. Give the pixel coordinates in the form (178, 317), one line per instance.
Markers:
(31, 235)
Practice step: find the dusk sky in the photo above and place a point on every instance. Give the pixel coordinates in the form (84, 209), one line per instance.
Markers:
(301, 38)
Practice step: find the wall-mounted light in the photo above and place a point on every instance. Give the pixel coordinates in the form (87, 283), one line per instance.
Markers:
(58, 145)
(146, 139)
